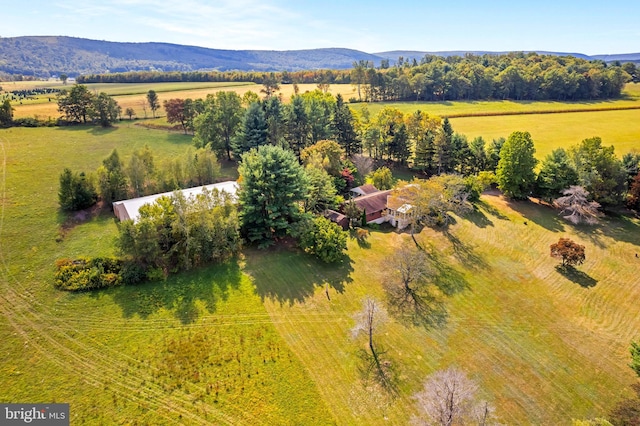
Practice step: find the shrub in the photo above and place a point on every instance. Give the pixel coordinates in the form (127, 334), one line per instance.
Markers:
(87, 274)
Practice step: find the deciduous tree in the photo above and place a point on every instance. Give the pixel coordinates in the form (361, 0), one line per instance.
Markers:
(381, 178)
(569, 251)
(599, 170)
(76, 191)
(449, 398)
(322, 238)
(112, 181)
(556, 174)
(153, 101)
(76, 103)
(105, 110)
(515, 173)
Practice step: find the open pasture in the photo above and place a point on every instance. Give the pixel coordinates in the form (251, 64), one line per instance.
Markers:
(265, 339)
(133, 95)
(630, 99)
(550, 131)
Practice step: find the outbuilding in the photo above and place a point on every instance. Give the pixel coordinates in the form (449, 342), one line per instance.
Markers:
(130, 209)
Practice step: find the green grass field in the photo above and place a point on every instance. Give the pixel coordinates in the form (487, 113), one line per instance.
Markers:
(265, 338)
(618, 128)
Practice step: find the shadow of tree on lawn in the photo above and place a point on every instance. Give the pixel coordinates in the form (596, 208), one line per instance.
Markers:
(290, 276)
(576, 276)
(465, 253)
(180, 293)
(541, 214)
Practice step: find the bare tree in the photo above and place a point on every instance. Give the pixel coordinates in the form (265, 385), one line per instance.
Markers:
(448, 398)
(363, 163)
(409, 289)
(576, 208)
(368, 321)
(144, 105)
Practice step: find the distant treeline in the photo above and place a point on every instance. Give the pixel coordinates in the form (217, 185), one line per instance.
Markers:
(516, 76)
(284, 77)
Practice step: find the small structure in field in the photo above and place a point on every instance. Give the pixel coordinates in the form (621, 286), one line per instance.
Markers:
(130, 209)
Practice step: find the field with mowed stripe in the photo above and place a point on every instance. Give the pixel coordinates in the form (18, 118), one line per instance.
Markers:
(265, 338)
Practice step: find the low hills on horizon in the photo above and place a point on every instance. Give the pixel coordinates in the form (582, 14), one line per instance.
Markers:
(49, 56)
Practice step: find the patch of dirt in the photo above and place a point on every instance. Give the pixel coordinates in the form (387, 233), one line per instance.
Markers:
(79, 217)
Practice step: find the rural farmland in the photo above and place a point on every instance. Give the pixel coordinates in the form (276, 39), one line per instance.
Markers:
(285, 213)
(543, 347)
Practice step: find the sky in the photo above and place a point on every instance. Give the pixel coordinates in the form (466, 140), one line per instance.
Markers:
(589, 27)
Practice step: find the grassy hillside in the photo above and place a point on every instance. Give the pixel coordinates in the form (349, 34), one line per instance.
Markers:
(265, 338)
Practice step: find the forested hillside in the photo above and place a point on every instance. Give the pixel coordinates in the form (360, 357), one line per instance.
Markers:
(42, 56)
(51, 56)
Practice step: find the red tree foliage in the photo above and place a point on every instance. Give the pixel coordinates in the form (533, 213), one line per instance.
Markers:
(569, 251)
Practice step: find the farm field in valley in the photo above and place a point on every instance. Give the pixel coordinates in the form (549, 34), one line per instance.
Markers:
(132, 95)
(264, 339)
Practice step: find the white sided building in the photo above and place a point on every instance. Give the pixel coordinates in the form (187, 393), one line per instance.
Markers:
(130, 209)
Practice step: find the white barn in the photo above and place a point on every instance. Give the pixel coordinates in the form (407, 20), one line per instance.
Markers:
(130, 209)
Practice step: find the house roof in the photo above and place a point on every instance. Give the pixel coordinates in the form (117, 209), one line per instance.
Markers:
(365, 189)
(372, 203)
(130, 209)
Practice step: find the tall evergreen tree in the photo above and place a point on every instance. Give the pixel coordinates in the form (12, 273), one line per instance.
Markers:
(297, 125)
(344, 128)
(274, 114)
(272, 186)
(478, 155)
(556, 174)
(253, 130)
(443, 148)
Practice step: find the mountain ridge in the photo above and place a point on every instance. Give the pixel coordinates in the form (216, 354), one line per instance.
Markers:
(46, 56)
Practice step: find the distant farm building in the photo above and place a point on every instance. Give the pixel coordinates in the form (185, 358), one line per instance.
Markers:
(130, 209)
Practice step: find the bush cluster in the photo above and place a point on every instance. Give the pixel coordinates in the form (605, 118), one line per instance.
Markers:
(88, 273)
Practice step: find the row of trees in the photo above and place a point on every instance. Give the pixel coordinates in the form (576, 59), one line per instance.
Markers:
(176, 233)
(511, 76)
(114, 180)
(79, 105)
(600, 175)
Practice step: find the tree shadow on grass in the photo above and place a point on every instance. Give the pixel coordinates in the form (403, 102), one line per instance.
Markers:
(180, 293)
(576, 276)
(465, 253)
(540, 214)
(478, 218)
(291, 276)
(381, 371)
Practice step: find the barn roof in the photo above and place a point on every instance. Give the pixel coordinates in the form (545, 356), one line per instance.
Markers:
(365, 189)
(130, 209)
(372, 203)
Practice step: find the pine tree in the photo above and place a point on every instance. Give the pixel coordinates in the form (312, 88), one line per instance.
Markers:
(272, 187)
(343, 128)
(253, 130)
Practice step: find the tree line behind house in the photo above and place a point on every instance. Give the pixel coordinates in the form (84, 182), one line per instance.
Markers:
(517, 76)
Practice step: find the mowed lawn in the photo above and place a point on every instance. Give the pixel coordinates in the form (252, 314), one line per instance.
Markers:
(265, 338)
